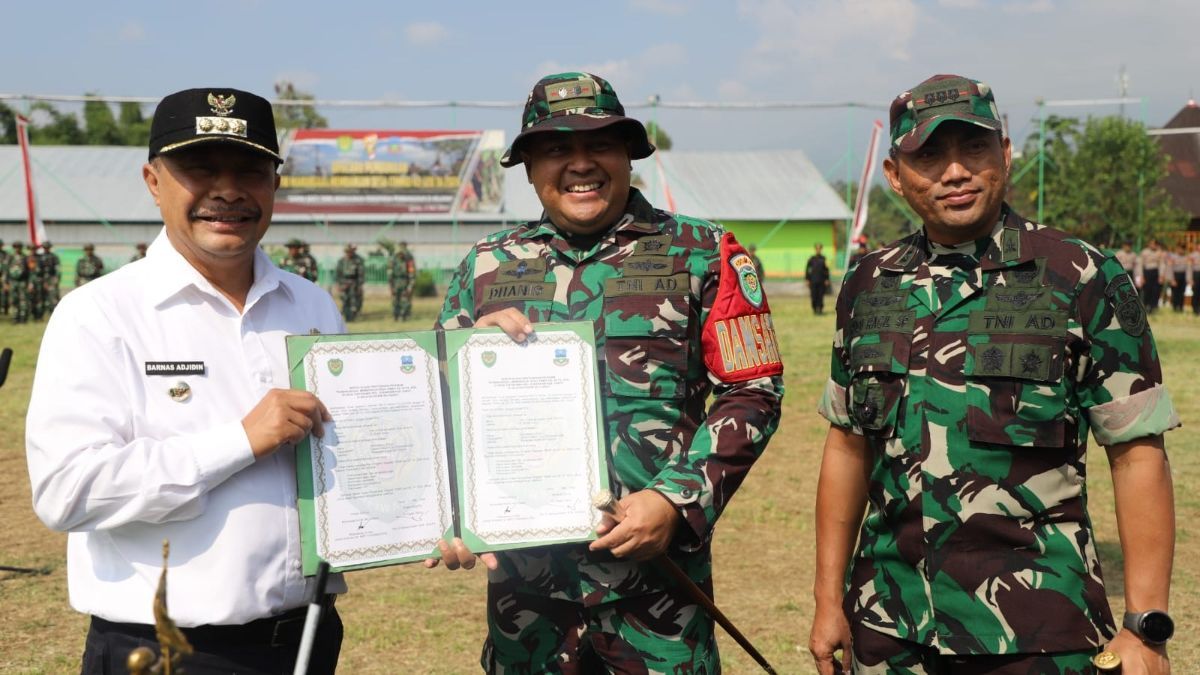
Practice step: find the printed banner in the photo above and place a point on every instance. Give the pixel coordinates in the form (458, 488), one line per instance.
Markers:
(334, 171)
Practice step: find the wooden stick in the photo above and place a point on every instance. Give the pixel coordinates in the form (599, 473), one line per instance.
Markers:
(607, 503)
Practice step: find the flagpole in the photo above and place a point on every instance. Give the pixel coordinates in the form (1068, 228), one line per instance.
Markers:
(37, 230)
(864, 189)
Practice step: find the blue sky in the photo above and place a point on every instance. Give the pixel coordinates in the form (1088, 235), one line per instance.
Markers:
(744, 50)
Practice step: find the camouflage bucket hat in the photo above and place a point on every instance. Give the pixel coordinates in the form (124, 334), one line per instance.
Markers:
(916, 113)
(575, 102)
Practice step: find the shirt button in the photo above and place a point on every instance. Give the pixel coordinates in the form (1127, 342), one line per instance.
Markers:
(295, 564)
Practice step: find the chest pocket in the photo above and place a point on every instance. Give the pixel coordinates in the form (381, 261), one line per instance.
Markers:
(880, 332)
(646, 346)
(1014, 370)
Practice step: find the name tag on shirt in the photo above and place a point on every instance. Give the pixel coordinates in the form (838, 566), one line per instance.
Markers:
(175, 368)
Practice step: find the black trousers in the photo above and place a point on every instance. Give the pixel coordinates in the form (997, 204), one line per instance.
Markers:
(1151, 290)
(1195, 292)
(262, 647)
(1177, 291)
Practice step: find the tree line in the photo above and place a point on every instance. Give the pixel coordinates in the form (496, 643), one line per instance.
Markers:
(101, 124)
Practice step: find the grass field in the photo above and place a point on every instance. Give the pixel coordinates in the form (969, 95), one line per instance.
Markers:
(412, 620)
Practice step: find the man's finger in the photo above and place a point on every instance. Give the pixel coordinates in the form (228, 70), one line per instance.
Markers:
(465, 557)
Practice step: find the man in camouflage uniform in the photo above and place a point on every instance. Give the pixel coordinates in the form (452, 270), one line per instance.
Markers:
(679, 314)
(18, 280)
(50, 271)
(294, 261)
(37, 292)
(4, 299)
(402, 277)
(351, 274)
(89, 267)
(141, 252)
(309, 270)
(970, 361)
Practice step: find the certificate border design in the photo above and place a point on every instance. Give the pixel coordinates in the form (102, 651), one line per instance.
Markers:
(467, 363)
(373, 553)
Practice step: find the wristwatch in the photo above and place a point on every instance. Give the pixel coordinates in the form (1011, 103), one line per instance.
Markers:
(1153, 626)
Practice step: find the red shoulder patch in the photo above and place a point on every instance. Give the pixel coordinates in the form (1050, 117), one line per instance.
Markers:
(739, 338)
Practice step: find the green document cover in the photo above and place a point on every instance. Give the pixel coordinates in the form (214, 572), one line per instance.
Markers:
(437, 434)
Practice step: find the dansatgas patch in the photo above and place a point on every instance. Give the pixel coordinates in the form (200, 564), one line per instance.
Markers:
(747, 277)
(739, 337)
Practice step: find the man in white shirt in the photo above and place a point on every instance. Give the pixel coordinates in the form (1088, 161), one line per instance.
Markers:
(161, 410)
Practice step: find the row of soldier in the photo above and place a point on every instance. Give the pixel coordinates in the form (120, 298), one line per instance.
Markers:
(29, 281)
(350, 276)
(1157, 268)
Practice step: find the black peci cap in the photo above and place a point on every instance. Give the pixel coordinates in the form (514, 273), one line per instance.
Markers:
(194, 116)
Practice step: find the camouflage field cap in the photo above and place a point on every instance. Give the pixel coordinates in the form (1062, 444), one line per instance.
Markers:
(917, 112)
(294, 243)
(575, 102)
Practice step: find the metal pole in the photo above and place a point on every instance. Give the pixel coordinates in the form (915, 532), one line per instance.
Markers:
(1041, 159)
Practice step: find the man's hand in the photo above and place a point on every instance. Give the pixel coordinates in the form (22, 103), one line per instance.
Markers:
(283, 416)
(830, 632)
(515, 324)
(643, 528)
(456, 555)
(1139, 658)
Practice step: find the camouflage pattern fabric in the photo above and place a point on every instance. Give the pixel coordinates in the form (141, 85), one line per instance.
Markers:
(351, 274)
(88, 268)
(309, 269)
(402, 278)
(17, 279)
(50, 273)
(878, 654)
(650, 285)
(4, 292)
(976, 403)
(654, 633)
(36, 287)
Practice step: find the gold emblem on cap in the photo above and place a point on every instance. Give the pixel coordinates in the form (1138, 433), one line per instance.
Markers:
(1107, 661)
(227, 126)
(222, 104)
(180, 393)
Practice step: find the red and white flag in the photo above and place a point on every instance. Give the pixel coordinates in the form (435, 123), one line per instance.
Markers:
(37, 229)
(864, 187)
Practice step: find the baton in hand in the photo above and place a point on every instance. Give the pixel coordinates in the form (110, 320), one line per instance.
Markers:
(606, 502)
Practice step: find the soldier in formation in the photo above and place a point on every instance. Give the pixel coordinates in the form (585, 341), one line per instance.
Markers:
(351, 276)
(402, 278)
(295, 261)
(89, 267)
(1149, 268)
(971, 361)
(139, 253)
(1175, 271)
(663, 291)
(4, 294)
(49, 278)
(18, 281)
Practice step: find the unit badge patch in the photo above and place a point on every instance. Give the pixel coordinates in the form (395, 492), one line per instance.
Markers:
(747, 277)
(1127, 307)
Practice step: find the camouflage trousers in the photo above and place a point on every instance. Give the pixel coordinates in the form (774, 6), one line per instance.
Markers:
(4, 299)
(879, 654)
(655, 633)
(19, 297)
(402, 301)
(352, 297)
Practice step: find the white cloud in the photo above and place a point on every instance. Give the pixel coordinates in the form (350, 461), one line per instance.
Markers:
(795, 36)
(425, 32)
(132, 31)
(668, 7)
(626, 72)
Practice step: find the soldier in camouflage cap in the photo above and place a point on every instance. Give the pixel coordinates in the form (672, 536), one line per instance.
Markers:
(970, 361)
(680, 315)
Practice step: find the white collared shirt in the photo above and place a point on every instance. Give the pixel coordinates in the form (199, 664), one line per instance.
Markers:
(121, 464)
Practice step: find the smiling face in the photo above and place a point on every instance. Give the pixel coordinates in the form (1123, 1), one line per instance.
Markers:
(581, 177)
(955, 181)
(216, 201)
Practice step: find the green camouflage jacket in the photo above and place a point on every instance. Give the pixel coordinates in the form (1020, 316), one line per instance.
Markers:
(977, 409)
(351, 271)
(679, 316)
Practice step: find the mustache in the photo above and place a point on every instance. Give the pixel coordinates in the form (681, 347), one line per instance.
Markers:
(225, 213)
